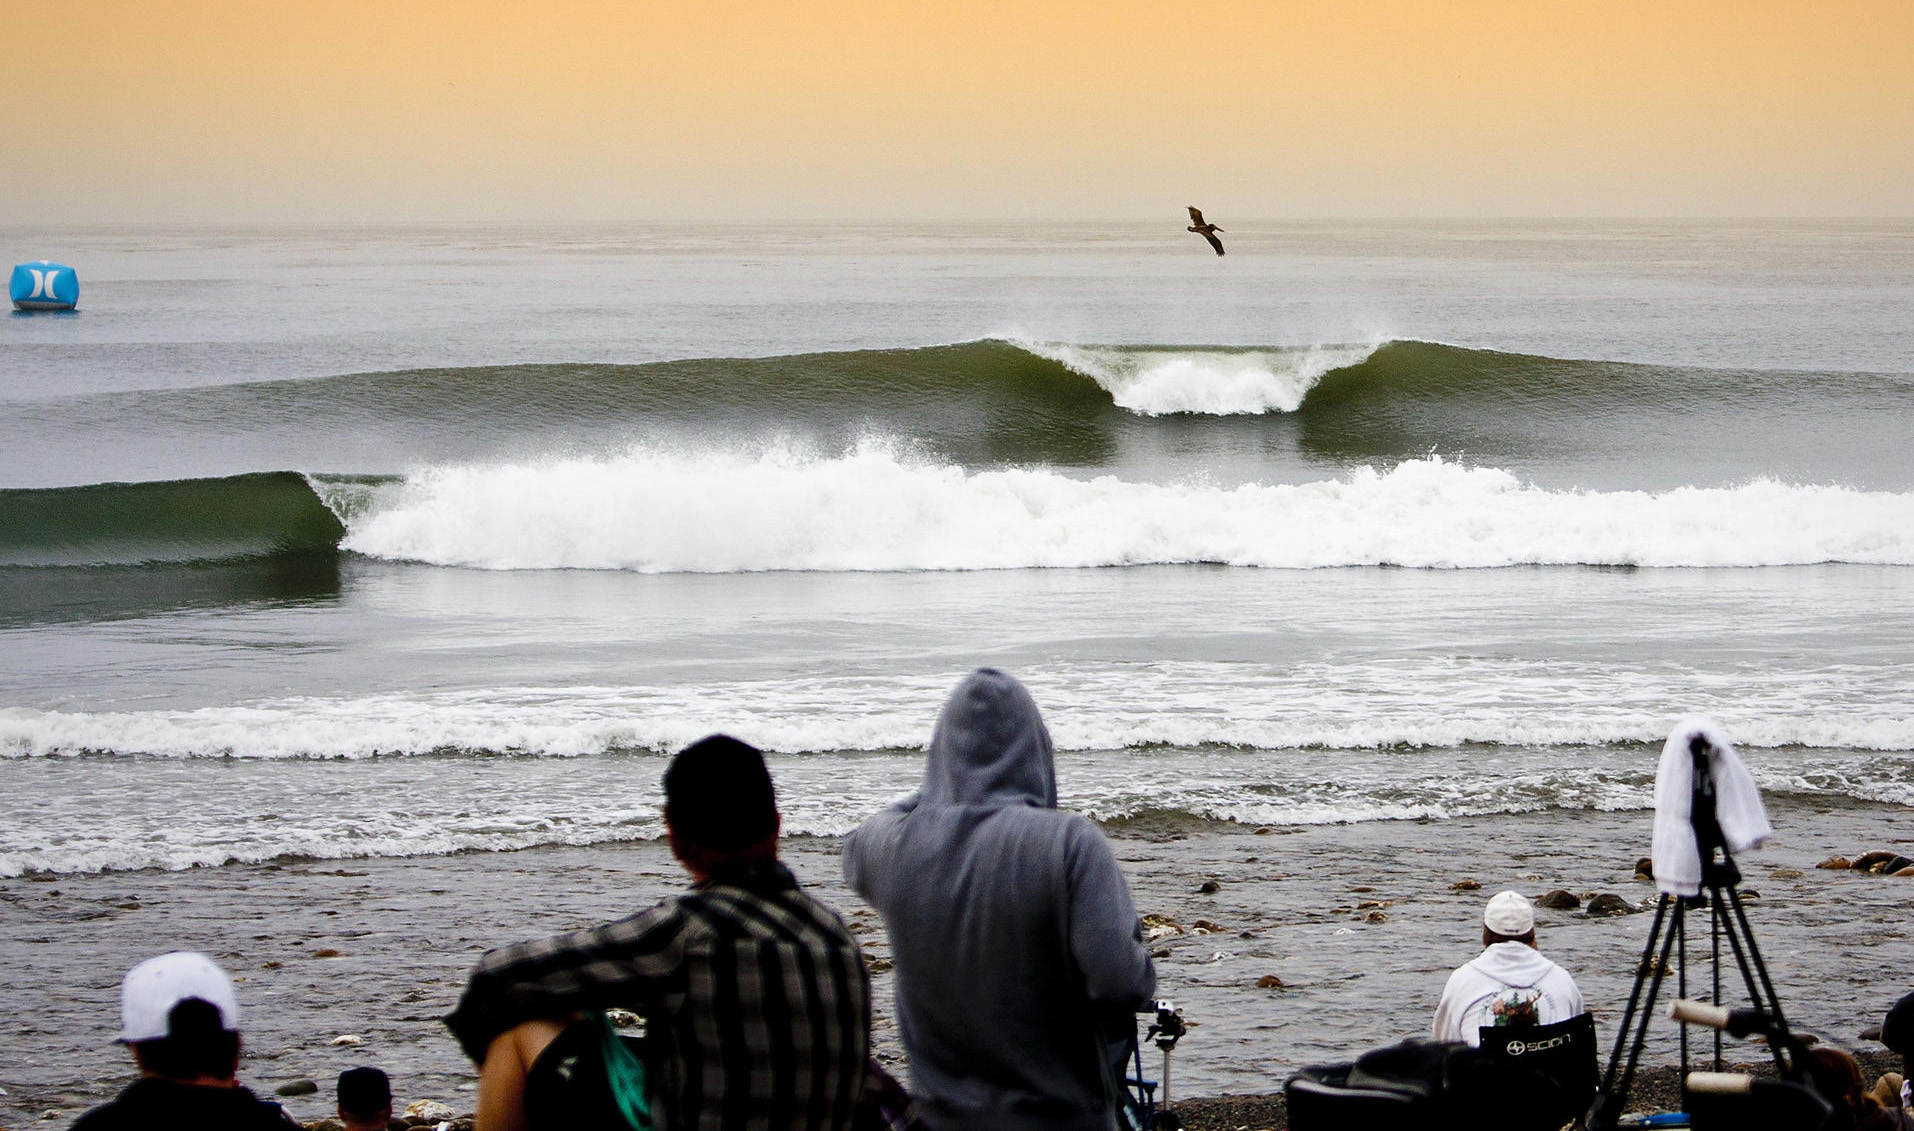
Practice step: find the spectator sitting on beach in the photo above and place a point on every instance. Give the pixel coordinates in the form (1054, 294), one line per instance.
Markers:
(180, 1018)
(1020, 965)
(758, 990)
(1509, 983)
(365, 1099)
(1838, 1077)
(1892, 1090)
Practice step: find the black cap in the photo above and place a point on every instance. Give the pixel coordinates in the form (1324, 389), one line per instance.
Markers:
(364, 1091)
(1897, 1032)
(718, 795)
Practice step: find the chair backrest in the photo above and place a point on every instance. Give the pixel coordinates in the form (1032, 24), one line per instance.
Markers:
(1323, 1099)
(1559, 1061)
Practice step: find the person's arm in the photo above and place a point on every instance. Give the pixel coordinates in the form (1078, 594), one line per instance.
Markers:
(639, 959)
(1448, 1014)
(870, 845)
(1106, 938)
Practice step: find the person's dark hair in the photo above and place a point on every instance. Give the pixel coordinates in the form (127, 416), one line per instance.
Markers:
(1897, 1029)
(718, 796)
(1490, 938)
(364, 1092)
(196, 1044)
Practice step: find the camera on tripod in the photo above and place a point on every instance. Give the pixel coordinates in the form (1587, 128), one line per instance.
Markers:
(1142, 1111)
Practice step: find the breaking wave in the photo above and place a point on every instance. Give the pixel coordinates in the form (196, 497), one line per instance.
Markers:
(874, 510)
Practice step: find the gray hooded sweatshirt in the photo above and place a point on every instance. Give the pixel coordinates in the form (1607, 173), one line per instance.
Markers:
(1020, 963)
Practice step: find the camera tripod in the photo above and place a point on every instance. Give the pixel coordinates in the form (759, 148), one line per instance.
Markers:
(1143, 1112)
(1669, 936)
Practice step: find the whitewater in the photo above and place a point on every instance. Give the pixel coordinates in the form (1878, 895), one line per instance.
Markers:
(874, 509)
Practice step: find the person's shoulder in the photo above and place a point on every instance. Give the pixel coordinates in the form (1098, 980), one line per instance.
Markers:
(109, 1116)
(1461, 976)
(135, 1106)
(1079, 831)
(659, 920)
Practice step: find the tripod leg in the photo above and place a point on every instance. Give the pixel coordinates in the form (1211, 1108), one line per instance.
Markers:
(1749, 960)
(1612, 1099)
(1714, 938)
(1754, 956)
(1634, 995)
(1681, 987)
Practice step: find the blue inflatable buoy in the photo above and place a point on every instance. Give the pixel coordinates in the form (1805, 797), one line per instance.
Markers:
(44, 286)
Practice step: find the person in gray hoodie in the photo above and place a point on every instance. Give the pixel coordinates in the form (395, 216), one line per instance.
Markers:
(1020, 961)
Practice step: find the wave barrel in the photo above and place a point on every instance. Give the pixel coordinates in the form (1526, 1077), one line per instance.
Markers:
(44, 285)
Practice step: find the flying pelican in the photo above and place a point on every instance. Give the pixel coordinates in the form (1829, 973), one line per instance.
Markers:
(1207, 231)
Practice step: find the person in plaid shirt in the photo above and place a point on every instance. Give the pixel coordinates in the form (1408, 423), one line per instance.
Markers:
(758, 991)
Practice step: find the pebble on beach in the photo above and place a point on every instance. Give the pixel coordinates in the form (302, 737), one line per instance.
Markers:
(1560, 900)
(1466, 885)
(1269, 982)
(297, 1088)
(1609, 904)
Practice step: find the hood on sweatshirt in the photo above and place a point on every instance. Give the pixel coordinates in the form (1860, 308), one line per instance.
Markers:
(990, 748)
(1513, 964)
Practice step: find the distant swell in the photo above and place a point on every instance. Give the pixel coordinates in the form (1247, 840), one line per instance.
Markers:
(873, 509)
(994, 403)
(195, 520)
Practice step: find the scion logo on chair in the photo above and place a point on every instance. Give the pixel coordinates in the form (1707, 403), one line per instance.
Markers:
(1517, 1048)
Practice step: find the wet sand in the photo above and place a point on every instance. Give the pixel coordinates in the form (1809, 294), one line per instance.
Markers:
(378, 949)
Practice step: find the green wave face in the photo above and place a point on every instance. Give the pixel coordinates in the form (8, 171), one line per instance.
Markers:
(241, 517)
(997, 402)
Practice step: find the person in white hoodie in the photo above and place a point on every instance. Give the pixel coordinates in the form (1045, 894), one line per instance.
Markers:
(1509, 983)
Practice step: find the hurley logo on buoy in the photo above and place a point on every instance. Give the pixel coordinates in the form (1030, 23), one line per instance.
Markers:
(42, 282)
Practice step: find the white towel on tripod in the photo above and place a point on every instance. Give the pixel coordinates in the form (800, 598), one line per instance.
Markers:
(1738, 808)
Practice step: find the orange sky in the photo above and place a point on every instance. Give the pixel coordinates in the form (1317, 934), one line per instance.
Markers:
(753, 109)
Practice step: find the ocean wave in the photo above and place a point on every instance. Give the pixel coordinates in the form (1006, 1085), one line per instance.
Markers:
(237, 518)
(1421, 703)
(1157, 381)
(875, 510)
(409, 807)
(882, 507)
(969, 392)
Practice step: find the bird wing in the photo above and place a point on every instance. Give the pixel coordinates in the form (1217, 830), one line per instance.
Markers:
(1196, 214)
(1214, 242)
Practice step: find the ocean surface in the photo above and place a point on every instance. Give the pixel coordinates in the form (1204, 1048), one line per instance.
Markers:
(334, 543)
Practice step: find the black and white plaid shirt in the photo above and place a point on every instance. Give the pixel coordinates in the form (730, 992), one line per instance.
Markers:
(760, 990)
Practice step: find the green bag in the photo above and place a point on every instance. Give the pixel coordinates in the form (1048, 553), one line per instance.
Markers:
(625, 1076)
(590, 1078)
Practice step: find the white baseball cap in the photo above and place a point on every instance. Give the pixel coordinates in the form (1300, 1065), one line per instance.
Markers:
(1509, 913)
(154, 987)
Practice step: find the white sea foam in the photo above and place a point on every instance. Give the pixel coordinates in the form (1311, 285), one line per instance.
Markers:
(1156, 382)
(1418, 702)
(162, 814)
(872, 509)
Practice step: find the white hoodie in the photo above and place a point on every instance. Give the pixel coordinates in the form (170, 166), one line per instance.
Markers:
(1509, 983)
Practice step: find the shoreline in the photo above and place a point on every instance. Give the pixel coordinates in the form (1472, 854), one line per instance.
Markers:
(378, 949)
